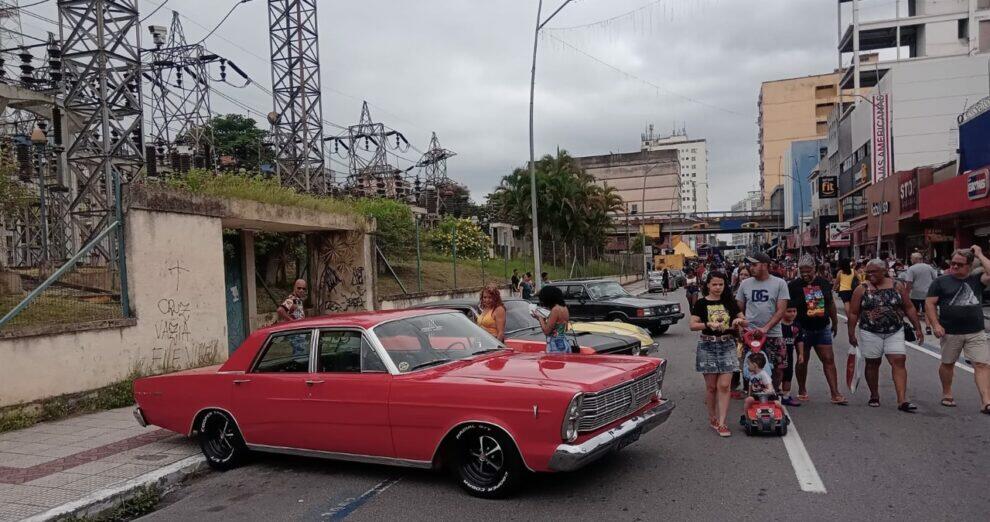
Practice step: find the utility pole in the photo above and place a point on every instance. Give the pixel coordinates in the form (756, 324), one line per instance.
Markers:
(532, 151)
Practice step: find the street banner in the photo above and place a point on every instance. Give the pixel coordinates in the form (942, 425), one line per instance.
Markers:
(882, 158)
(828, 187)
(838, 234)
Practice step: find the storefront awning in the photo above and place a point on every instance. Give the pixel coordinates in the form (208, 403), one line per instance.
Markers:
(954, 197)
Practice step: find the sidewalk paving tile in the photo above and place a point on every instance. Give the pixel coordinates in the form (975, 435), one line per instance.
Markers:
(51, 497)
(93, 483)
(56, 480)
(10, 511)
(129, 471)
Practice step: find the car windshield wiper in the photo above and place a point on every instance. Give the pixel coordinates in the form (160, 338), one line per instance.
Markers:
(489, 350)
(429, 363)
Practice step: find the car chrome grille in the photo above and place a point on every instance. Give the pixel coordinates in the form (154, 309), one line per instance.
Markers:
(606, 407)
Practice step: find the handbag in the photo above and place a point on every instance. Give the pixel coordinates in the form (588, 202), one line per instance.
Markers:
(909, 334)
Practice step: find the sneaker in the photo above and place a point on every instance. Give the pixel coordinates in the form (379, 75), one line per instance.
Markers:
(713, 423)
(723, 431)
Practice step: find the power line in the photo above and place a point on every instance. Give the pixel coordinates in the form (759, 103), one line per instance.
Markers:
(660, 89)
(222, 20)
(160, 6)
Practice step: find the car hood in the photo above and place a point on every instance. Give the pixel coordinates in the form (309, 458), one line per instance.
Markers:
(600, 342)
(639, 302)
(574, 371)
(612, 327)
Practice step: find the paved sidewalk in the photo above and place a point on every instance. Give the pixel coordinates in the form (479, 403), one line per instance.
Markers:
(57, 468)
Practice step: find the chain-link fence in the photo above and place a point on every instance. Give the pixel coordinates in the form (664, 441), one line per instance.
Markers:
(83, 289)
(432, 270)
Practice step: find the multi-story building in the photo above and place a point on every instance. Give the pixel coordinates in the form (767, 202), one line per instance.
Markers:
(649, 182)
(792, 109)
(927, 59)
(693, 156)
(752, 201)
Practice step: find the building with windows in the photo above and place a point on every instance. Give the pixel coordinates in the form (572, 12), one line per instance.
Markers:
(649, 182)
(693, 156)
(792, 109)
(752, 201)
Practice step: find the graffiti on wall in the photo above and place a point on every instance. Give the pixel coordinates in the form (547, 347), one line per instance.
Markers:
(174, 347)
(340, 273)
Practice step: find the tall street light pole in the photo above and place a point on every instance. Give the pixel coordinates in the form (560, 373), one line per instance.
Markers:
(532, 151)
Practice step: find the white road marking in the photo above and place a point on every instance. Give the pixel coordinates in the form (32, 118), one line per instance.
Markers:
(804, 468)
(924, 350)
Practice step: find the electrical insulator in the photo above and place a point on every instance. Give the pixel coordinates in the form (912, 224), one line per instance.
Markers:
(151, 160)
(136, 137)
(223, 69)
(366, 144)
(178, 77)
(22, 151)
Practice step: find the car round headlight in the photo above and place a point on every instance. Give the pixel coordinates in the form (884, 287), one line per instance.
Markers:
(569, 428)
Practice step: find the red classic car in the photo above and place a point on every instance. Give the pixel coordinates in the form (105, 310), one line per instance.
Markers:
(421, 388)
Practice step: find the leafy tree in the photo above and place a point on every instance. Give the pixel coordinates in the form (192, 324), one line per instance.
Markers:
(572, 206)
(396, 225)
(472, 243)
(239, 136)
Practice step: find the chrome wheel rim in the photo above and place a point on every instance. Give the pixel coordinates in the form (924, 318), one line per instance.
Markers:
(485, 460)
(220, 443)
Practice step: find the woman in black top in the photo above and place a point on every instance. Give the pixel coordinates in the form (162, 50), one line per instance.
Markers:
(716, 315)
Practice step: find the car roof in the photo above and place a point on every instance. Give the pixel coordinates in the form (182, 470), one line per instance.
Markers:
(364, 319)
(582, 281)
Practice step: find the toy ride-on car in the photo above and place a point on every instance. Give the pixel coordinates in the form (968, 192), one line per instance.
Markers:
(765, 417)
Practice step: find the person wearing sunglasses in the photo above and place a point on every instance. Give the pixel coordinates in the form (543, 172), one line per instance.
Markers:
(954, 307)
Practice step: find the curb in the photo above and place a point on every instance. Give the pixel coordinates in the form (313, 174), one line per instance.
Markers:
(106, 498)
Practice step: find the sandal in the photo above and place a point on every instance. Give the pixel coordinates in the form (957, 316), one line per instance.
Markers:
(803, 397)
(985, 410)
(789, 401)
(948, 402)
(874, 403)
(907, 407)
(723, 431)
(839, 400)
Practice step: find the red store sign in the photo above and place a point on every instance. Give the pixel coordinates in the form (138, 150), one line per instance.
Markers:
(908, 191)
(956, 195)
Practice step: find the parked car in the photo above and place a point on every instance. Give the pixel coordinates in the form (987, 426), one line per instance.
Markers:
(598, 337)
(605, 300)
(676, 279)
(418, 388)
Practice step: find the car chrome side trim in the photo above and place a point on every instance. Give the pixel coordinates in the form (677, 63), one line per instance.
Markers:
(350, 457)
(457, 426)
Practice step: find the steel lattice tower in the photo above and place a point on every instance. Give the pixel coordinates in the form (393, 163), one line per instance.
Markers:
(101, 66)
(366, 146)
(434, 165)
(181, 98)
(297, 120)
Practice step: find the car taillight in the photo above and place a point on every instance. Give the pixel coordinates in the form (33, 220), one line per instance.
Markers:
(640, 313)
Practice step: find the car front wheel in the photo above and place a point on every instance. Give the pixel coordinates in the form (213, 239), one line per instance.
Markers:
(486, 462)
(221, 441)
(659, 330)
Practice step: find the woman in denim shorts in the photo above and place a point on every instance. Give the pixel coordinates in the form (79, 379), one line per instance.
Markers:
(716, 315)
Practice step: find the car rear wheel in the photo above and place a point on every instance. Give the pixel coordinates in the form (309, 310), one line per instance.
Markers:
(617, 318)
(486, 462)
(221, 441)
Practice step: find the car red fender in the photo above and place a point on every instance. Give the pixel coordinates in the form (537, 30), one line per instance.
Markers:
(522, 345)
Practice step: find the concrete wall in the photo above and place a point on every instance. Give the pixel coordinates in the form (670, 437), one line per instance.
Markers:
(176, 279)
(343, 271)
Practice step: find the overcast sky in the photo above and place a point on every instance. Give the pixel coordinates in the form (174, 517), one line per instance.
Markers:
(461, 68)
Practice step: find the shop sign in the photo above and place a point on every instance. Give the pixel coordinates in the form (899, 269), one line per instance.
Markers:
(828, 187)
(881, 157)
(908, 189)
(882, 207)
(977, 185)
(838, 234)
(934, 235)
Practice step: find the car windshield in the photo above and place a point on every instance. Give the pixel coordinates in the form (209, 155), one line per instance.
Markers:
(517, 316)
(603, 290)
(426, 340)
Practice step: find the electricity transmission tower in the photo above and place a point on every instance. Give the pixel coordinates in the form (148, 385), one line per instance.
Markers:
(434, 165)
(101, 65)
(180, 87)
(366, 146)
(297, 119)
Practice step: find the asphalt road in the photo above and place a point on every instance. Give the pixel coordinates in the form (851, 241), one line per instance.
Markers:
(873, 463)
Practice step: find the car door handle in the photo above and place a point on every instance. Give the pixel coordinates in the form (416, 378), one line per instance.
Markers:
(312, 382)
(241, 381)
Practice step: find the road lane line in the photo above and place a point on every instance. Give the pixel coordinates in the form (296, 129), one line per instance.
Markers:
(345, 508)
(924, 350)
(804, 468)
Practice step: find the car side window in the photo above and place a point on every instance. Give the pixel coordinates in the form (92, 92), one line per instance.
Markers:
(286, 353)
(575, 292)
(346, 351)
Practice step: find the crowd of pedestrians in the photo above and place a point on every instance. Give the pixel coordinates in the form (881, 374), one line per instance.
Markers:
(791, 305)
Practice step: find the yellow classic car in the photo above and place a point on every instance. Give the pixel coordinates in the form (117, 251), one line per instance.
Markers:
(647, 344)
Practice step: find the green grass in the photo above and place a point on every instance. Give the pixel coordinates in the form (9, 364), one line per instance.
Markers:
(57, 309)
(257, 188)
(438, 273)
(144, 500)
(116, 395)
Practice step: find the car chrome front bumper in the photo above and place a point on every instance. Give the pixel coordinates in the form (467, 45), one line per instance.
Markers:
(569, 457)
(139, 416)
